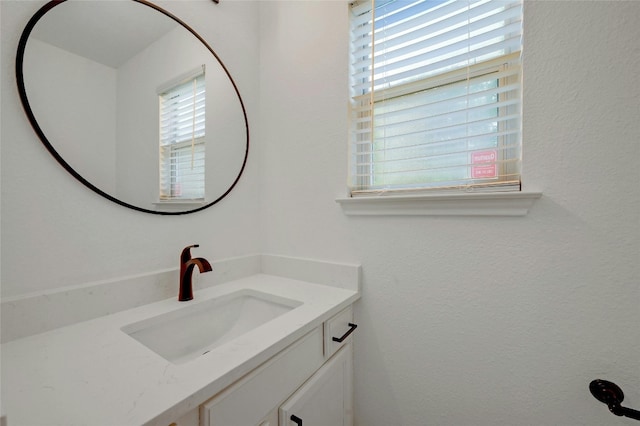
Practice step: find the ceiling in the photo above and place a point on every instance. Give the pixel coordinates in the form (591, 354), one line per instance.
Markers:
(106, 31)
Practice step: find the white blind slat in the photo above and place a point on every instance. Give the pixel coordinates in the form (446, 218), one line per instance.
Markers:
(436, 94)
(182, 143)
(460, 59)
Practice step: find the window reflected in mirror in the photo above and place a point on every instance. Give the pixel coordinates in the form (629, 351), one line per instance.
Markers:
(182, 138)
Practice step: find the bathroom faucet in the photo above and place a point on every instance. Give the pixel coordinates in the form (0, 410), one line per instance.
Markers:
(186, 271)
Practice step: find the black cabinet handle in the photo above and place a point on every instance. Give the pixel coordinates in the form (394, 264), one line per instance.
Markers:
(296, 419)
(345, 335)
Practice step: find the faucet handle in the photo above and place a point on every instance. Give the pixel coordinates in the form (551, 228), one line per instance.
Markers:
(186, 253)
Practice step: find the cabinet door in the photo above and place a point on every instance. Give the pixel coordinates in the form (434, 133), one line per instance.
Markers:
(248, 401)
(326, 398)
(191, 418)
(271, 419)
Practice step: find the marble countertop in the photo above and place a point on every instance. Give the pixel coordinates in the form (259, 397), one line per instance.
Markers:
(92, 373)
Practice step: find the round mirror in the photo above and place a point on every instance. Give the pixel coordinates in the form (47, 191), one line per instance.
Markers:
(133, 103)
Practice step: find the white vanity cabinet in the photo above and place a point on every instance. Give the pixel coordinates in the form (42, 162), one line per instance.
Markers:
(311, 379)
(326, 398)
(269, 362)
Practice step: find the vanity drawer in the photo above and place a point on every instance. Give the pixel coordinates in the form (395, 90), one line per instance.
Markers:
(265, 387)
(337, 331)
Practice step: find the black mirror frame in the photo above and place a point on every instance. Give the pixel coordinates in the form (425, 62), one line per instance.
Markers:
(36, 127)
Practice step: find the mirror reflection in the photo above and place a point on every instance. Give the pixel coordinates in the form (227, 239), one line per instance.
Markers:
(134, 102)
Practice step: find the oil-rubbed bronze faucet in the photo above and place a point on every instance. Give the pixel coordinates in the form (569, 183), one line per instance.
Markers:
(186, 271)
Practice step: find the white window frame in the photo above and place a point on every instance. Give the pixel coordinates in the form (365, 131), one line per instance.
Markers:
(171, 148)
(443, 201)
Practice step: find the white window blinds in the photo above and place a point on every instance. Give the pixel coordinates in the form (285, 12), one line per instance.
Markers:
(435, 95)
(182, 143)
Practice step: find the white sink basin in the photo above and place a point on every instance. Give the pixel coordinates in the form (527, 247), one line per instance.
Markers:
(199, 327)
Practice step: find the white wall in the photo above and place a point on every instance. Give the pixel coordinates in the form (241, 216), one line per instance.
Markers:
(475, 321)
(89, 144)
(56, 232)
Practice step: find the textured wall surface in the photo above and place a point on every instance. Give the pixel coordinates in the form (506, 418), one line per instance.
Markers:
(469, 320)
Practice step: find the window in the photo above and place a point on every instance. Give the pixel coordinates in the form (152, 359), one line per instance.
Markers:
(436, 88)
(182, 142)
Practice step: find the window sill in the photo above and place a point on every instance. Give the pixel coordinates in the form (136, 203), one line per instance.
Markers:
(170, 205)
(463, 204)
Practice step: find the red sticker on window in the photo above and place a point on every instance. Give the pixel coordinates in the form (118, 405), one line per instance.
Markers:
(480, 169)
